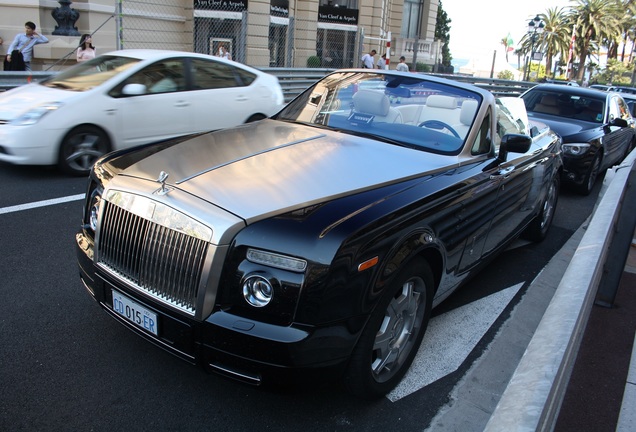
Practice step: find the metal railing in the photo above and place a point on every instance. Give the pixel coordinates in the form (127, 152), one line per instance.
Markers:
(295, 80)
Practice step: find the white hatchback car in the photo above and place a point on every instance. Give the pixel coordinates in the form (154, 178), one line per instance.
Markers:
(127, 98)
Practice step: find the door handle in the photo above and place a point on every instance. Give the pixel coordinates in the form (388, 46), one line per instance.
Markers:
(181, 104)
(504, 172)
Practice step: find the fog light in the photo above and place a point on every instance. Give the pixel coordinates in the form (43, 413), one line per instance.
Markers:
(257, 290)
(94, 212)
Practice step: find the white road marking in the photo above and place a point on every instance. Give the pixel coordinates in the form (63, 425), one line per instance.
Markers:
(44, 203)
(449, 339)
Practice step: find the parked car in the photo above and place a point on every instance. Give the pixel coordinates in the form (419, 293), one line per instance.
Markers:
(625, 90)
(318, 239)
(562, 82)
(630, 100)
(126, 98)
(603, 87)
(597, 128)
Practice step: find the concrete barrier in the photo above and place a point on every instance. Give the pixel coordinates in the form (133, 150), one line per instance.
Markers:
(533, 397)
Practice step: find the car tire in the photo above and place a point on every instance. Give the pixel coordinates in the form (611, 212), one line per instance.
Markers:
(590, 179)
(80, 148)
(393, 334)
(538, 228)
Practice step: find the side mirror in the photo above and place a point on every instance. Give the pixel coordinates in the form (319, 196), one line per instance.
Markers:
(134, 89)
(619, 122)
(515, 143)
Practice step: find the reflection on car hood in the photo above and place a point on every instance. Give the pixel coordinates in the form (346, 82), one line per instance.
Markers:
(15, 102)
(272, 167)
(565, 127)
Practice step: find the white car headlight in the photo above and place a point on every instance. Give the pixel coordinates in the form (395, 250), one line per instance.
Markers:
(35, 114)
(576, 149)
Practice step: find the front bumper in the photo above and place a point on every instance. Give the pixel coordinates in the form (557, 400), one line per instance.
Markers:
(243, 349)
(576, 169)
(29, 145)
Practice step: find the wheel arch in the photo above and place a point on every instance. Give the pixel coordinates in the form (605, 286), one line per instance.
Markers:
(255, 117)
(418, 243)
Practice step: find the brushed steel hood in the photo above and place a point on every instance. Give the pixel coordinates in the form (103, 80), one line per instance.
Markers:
(271, 167)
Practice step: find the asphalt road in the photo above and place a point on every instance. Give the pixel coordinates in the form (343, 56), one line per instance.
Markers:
(66, 365)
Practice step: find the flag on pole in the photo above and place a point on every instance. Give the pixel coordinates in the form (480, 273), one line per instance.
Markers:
(508, 44)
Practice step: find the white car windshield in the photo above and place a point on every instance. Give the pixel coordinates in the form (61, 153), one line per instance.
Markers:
(90, 74)
(411, 111)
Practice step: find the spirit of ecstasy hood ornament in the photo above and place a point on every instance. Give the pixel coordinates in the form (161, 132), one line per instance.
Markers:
(163, 176)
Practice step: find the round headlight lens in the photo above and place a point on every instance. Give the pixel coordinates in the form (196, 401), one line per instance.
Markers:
(94, 212)
(257, 291)
(576, 149)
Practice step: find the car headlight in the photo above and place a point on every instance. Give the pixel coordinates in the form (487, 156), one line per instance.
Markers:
(93, 212)
(35, 114)
(576, 149)
(276, 260)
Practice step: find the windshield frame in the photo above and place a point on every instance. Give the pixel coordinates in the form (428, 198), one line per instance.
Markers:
(331, 103)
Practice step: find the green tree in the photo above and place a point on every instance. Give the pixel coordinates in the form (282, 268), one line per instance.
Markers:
(555, 39)
(442, 33)
(595, 20)
(505, 75)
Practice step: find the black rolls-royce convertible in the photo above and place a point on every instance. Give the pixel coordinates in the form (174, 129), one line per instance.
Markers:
(320, 238)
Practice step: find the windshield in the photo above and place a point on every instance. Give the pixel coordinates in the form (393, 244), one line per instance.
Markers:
(565, 105)
(408, 110)
(90, 74)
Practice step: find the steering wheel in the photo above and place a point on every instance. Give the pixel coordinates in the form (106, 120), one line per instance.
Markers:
(439, 125)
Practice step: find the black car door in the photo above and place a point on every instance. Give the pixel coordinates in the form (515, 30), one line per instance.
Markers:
(616, 139)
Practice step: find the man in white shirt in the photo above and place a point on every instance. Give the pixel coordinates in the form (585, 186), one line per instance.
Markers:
(402, 66)
(367, 59)
(381, 64)
(25, 43)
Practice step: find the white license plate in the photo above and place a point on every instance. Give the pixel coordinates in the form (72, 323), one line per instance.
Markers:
(135, 313)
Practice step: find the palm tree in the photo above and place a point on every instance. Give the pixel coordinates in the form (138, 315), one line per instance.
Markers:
(595, 20)
(629, 26)
(555, 39)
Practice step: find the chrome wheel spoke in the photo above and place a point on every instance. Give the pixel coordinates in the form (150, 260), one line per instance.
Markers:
(394, 334)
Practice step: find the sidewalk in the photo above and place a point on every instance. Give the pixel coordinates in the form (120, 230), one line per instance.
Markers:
(601, 394)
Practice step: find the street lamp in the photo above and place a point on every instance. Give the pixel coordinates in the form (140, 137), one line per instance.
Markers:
(535, 27)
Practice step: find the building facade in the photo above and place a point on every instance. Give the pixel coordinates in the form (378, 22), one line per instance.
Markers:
(261, 33)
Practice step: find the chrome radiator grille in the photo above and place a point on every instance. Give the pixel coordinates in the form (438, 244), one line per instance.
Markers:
(160, 261)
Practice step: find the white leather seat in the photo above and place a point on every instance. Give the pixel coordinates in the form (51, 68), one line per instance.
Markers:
(376, 104)
(442, 108)
(466, 116)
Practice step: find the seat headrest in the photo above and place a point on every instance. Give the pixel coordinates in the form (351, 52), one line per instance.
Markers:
(440, 101)
(549, 99)
(466, 115)
(371, 102)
